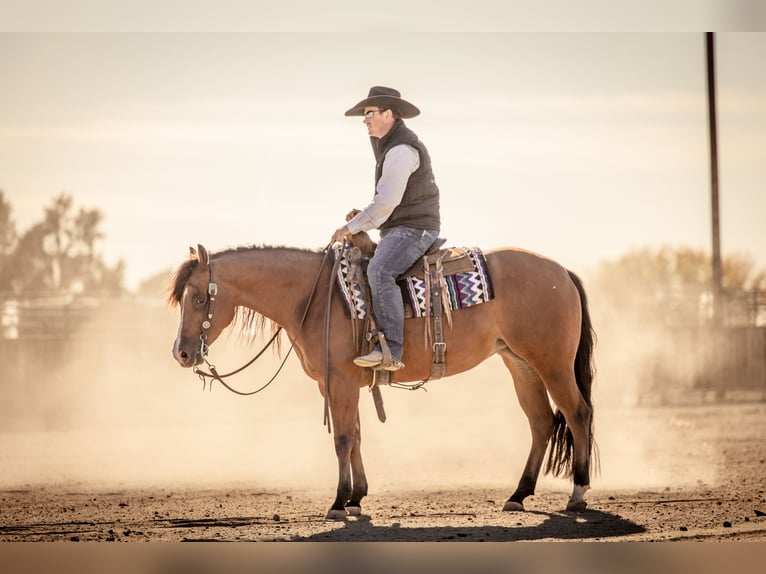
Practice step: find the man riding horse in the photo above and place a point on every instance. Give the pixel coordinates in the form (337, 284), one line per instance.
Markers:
(404, 207)
(537, 321)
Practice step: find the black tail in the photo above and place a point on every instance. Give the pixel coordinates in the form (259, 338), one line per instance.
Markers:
(561, 446)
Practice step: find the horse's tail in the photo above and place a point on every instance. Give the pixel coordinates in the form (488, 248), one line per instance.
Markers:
(561, 445)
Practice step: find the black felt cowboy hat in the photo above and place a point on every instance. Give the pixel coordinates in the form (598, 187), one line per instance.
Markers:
(385, 98)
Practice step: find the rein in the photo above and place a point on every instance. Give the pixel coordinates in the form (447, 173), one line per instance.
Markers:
(326, 344)
(214, 375)
(204, 347)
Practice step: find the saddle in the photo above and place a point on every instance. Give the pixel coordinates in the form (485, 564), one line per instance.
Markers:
(431, 270)
(453, 260)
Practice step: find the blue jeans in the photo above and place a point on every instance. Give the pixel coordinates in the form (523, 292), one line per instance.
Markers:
(398, 249)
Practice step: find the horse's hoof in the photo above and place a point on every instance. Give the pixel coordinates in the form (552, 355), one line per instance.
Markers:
(354, 510)
(334, 514)
(578, 506)
(511, 506)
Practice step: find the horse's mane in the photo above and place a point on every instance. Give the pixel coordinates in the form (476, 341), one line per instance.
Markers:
(249, 323)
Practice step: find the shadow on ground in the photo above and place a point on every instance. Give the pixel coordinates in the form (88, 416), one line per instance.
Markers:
(592, 524)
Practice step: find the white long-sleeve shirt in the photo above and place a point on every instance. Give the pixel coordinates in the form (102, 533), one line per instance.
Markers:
(398, 165)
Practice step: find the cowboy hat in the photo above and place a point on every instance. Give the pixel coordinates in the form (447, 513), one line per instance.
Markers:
(386, 98)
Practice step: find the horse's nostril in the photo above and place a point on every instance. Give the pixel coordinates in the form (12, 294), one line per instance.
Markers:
(184, 355)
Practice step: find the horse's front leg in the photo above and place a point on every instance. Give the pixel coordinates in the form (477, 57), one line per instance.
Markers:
(358, 477)
(344, 406)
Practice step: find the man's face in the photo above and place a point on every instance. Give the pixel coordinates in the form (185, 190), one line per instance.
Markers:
(378, 121)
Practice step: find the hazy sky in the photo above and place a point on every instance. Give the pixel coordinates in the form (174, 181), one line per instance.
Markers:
(579, 146)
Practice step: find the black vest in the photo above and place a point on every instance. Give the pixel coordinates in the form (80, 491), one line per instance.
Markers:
(419, 207)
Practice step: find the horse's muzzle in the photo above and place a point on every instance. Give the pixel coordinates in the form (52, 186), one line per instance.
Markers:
(186, 355)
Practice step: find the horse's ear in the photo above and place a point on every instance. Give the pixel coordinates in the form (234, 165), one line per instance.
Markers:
(202, 255)
(192, 253)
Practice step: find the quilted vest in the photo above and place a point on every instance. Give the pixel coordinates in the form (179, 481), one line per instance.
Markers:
(419, 207)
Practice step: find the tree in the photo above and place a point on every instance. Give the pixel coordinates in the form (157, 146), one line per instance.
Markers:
(58, 255)
(7, 226)
(652, 310)
(671, 285)
(7, 241)
(57, 239)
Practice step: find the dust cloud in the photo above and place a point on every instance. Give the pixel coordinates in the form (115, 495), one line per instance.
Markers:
(114, 410)
(644, 372)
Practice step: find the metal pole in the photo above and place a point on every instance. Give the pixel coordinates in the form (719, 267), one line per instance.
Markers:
(712, 122)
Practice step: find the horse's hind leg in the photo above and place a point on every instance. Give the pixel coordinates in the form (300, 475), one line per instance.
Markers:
(534, 402)
(578, 416)
(358, 477)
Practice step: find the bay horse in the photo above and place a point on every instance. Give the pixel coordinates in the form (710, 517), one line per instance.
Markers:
(538, 323)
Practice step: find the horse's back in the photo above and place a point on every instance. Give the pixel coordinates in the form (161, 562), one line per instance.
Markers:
(516, 266)
(536, 302)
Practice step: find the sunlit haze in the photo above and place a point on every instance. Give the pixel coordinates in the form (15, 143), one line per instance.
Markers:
(578, 146)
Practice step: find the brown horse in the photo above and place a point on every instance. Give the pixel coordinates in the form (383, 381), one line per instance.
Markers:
(538, 323)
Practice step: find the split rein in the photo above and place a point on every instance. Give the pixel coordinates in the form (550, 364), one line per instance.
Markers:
(213, 375)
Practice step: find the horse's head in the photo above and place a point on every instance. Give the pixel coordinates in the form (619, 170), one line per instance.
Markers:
(205, 311)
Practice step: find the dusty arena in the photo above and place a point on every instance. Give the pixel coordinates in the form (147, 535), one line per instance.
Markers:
(96, 449)
(180, 464)
(724, 447)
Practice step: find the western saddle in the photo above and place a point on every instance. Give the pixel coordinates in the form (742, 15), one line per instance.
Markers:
(432, 268)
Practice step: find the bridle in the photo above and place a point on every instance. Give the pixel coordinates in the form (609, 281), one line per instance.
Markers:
(204, 348)
(212, 292)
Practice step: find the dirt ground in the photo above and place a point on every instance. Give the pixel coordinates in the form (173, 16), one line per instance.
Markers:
(730, 507)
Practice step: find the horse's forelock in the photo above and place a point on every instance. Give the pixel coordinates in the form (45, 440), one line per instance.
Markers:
(179, 280)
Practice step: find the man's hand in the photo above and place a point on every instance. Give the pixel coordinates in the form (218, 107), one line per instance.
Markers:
(341, 235)
(352, 214)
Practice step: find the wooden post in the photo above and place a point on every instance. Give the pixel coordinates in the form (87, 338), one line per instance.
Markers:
(712, 123)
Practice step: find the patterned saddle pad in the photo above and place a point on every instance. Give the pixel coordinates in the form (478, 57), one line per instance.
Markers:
(467, 284)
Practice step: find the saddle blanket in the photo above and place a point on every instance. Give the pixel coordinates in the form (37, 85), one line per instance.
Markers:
(463, 289)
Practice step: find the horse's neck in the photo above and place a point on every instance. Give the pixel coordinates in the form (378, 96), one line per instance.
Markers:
(272, 280)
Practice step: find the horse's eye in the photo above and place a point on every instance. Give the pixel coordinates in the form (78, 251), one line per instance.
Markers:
(199, 301)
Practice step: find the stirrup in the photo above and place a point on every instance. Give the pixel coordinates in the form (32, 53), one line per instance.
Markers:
(391, 366)
(388, 363)
(372, 359)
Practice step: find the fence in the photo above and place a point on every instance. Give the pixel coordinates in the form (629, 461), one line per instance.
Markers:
(707, 365)
(697, 363)
(54, 352)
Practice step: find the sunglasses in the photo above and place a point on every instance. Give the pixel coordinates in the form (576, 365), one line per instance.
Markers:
(371, 113)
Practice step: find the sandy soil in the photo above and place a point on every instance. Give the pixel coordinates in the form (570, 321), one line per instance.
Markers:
(730, 507)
